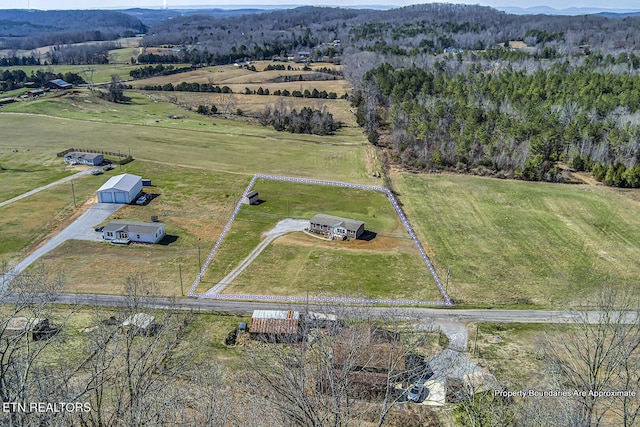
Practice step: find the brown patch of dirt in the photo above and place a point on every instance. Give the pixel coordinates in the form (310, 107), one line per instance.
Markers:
(377, 244)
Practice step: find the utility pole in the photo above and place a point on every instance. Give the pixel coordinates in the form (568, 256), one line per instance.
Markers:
(446, 286)
(73, 191)
(199, 261)
(180, 272)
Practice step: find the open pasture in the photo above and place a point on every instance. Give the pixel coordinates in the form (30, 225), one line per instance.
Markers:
(24, 170)
(512, 242)
(168, 134)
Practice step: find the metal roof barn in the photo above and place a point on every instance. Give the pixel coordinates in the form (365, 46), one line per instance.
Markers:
(274, 322)
(120, 189)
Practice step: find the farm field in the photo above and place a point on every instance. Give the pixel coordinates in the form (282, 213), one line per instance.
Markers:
(512, 242)
(188, 139)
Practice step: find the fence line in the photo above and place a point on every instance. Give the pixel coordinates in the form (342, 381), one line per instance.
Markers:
(394, 203)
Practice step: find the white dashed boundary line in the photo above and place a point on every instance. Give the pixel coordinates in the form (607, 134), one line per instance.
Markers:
(394, 203)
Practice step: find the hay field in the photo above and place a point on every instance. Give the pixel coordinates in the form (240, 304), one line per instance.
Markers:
(522, 243)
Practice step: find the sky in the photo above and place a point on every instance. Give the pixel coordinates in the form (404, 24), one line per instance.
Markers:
(232, 4)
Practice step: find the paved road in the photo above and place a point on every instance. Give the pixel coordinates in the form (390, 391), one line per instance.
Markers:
(243, 307)
(44, 187)
(282, 227)
(81, 229)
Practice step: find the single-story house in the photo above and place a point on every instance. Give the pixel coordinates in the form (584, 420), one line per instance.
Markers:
(123, 188)
(58, 84)
(330, 225)
(143, 232)
(79, 157)
(251, 198)
(275, 325)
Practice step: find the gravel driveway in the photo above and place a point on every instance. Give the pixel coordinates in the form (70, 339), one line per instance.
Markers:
(81, 229)
(283, 227)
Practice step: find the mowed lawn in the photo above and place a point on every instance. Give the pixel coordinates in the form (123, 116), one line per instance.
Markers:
(512, 242)
(387, 266)
(26, 222)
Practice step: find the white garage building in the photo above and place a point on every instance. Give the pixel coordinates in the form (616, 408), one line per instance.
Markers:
(120, 189)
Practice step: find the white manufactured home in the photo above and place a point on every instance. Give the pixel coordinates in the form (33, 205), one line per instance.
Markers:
(82, 158)
(144, 232)
(123, 188)
(335, 226)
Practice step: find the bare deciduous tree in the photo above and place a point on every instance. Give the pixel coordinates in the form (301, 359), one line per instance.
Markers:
(337, 373)
(601, 356)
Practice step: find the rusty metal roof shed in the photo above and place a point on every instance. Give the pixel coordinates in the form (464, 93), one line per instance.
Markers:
(274, 322)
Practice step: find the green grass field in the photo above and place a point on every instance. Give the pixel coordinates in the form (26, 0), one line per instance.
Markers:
(22, 171)
(512, 242)
(388, 266)
(144, 127)
(24, 223)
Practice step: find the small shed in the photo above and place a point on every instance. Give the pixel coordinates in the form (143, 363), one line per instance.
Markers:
(141, 324)
(142, 232)
(82, 158)
(251, 198)
(275, 325)
(120, 189)
(35, 328)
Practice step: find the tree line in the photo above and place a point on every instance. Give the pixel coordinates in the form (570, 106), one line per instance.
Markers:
(515, 123)
(16, 79)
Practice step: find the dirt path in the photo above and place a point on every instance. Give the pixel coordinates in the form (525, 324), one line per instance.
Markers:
(283, 227)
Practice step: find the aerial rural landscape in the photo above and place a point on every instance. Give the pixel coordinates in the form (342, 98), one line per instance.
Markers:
(414, 216)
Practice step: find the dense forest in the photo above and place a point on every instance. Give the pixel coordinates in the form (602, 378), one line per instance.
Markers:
(22, 29)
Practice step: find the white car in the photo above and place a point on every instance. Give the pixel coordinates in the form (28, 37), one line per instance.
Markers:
(142, 200)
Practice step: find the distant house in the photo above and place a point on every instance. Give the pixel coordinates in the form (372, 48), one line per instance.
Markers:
(81, 158)
(58, 84)
(143, 232)
(34, 93)
(123, 188)
(251, 198)
(335, 226)
(275, 325)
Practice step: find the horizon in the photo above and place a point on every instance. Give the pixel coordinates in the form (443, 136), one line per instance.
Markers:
(593, 6)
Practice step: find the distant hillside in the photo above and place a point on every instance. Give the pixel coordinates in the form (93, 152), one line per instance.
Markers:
(22, 29)
(148, 16)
